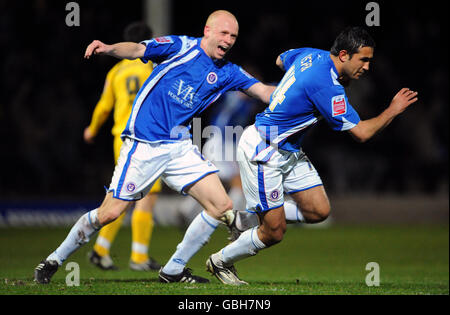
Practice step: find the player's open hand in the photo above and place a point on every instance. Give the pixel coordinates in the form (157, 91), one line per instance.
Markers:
(403, 99)
(96, 48)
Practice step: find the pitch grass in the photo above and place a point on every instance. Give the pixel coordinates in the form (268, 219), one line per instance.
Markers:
(330, 261)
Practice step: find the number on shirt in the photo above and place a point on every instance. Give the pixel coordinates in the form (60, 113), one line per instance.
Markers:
(132, 87)
(306, 62)
(285, 84)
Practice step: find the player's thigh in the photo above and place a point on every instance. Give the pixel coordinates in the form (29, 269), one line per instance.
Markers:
(313, 201)
(211, 194)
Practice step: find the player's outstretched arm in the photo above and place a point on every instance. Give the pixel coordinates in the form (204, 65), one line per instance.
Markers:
(124, 50)
(366, 129)
(261, 91)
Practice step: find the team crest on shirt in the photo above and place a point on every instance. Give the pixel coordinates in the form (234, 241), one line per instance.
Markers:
(338, 105)
(131, 187)
(274, 195)
(211, 78)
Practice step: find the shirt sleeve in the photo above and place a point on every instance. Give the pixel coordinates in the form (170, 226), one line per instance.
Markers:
(288, 57)
(333, 105)
(161, 48)
(241, 79)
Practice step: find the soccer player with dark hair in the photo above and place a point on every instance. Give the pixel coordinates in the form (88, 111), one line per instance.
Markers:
(270, 154)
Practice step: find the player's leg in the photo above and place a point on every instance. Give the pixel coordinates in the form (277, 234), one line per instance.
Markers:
(142, 229)
(191, 173)
(309, 202)
(80, 234)
(100, 255)
(136, 170)
(210, 193)
(308, 206)
(249, 243)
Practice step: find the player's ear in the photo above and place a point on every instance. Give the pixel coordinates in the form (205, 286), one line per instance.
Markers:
(343, 56)
(206, 30)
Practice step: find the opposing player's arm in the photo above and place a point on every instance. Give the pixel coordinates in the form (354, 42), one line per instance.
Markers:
(102, 109)
(261, 91)
(366, 129)
(123, 50)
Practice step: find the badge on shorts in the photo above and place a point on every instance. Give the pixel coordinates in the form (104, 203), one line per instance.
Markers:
(274, 195)
(131, 187)
(211, 78)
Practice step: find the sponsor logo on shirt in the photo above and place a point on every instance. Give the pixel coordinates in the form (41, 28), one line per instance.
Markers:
(338, 105)
(182, 93)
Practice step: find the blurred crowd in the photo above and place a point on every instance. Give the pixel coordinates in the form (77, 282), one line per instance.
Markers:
(49, 91)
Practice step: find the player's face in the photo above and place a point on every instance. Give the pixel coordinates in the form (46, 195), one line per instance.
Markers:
(220, 37)
(355, 66)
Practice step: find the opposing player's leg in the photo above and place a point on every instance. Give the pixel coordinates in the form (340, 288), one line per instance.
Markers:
(80, 234)
(142, 229)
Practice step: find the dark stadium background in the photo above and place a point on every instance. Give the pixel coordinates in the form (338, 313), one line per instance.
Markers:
(48, 91)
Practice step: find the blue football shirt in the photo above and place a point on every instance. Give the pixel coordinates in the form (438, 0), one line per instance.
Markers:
(183, 84)
(308, 92)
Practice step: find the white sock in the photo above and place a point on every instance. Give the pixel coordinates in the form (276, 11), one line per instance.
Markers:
(248, 244)
(197, 235)
(79, 235)
(292, 212)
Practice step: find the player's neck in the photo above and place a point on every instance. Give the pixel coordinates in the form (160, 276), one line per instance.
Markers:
(337, 64)
(342, 78)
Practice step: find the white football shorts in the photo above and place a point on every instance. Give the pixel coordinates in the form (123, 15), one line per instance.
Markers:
(140, 164)
(267, 172)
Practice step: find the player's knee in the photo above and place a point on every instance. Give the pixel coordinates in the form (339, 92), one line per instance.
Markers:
(106, 216)
(222, 206)
(321, 213)
(274, 235)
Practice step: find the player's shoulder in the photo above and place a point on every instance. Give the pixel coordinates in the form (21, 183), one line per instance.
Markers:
(317, 69)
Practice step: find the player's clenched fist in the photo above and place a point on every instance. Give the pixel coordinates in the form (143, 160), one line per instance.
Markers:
(403, 99)
(96, 48)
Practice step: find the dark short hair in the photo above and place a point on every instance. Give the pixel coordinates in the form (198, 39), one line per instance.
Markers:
(352, 39)
(137, 32)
